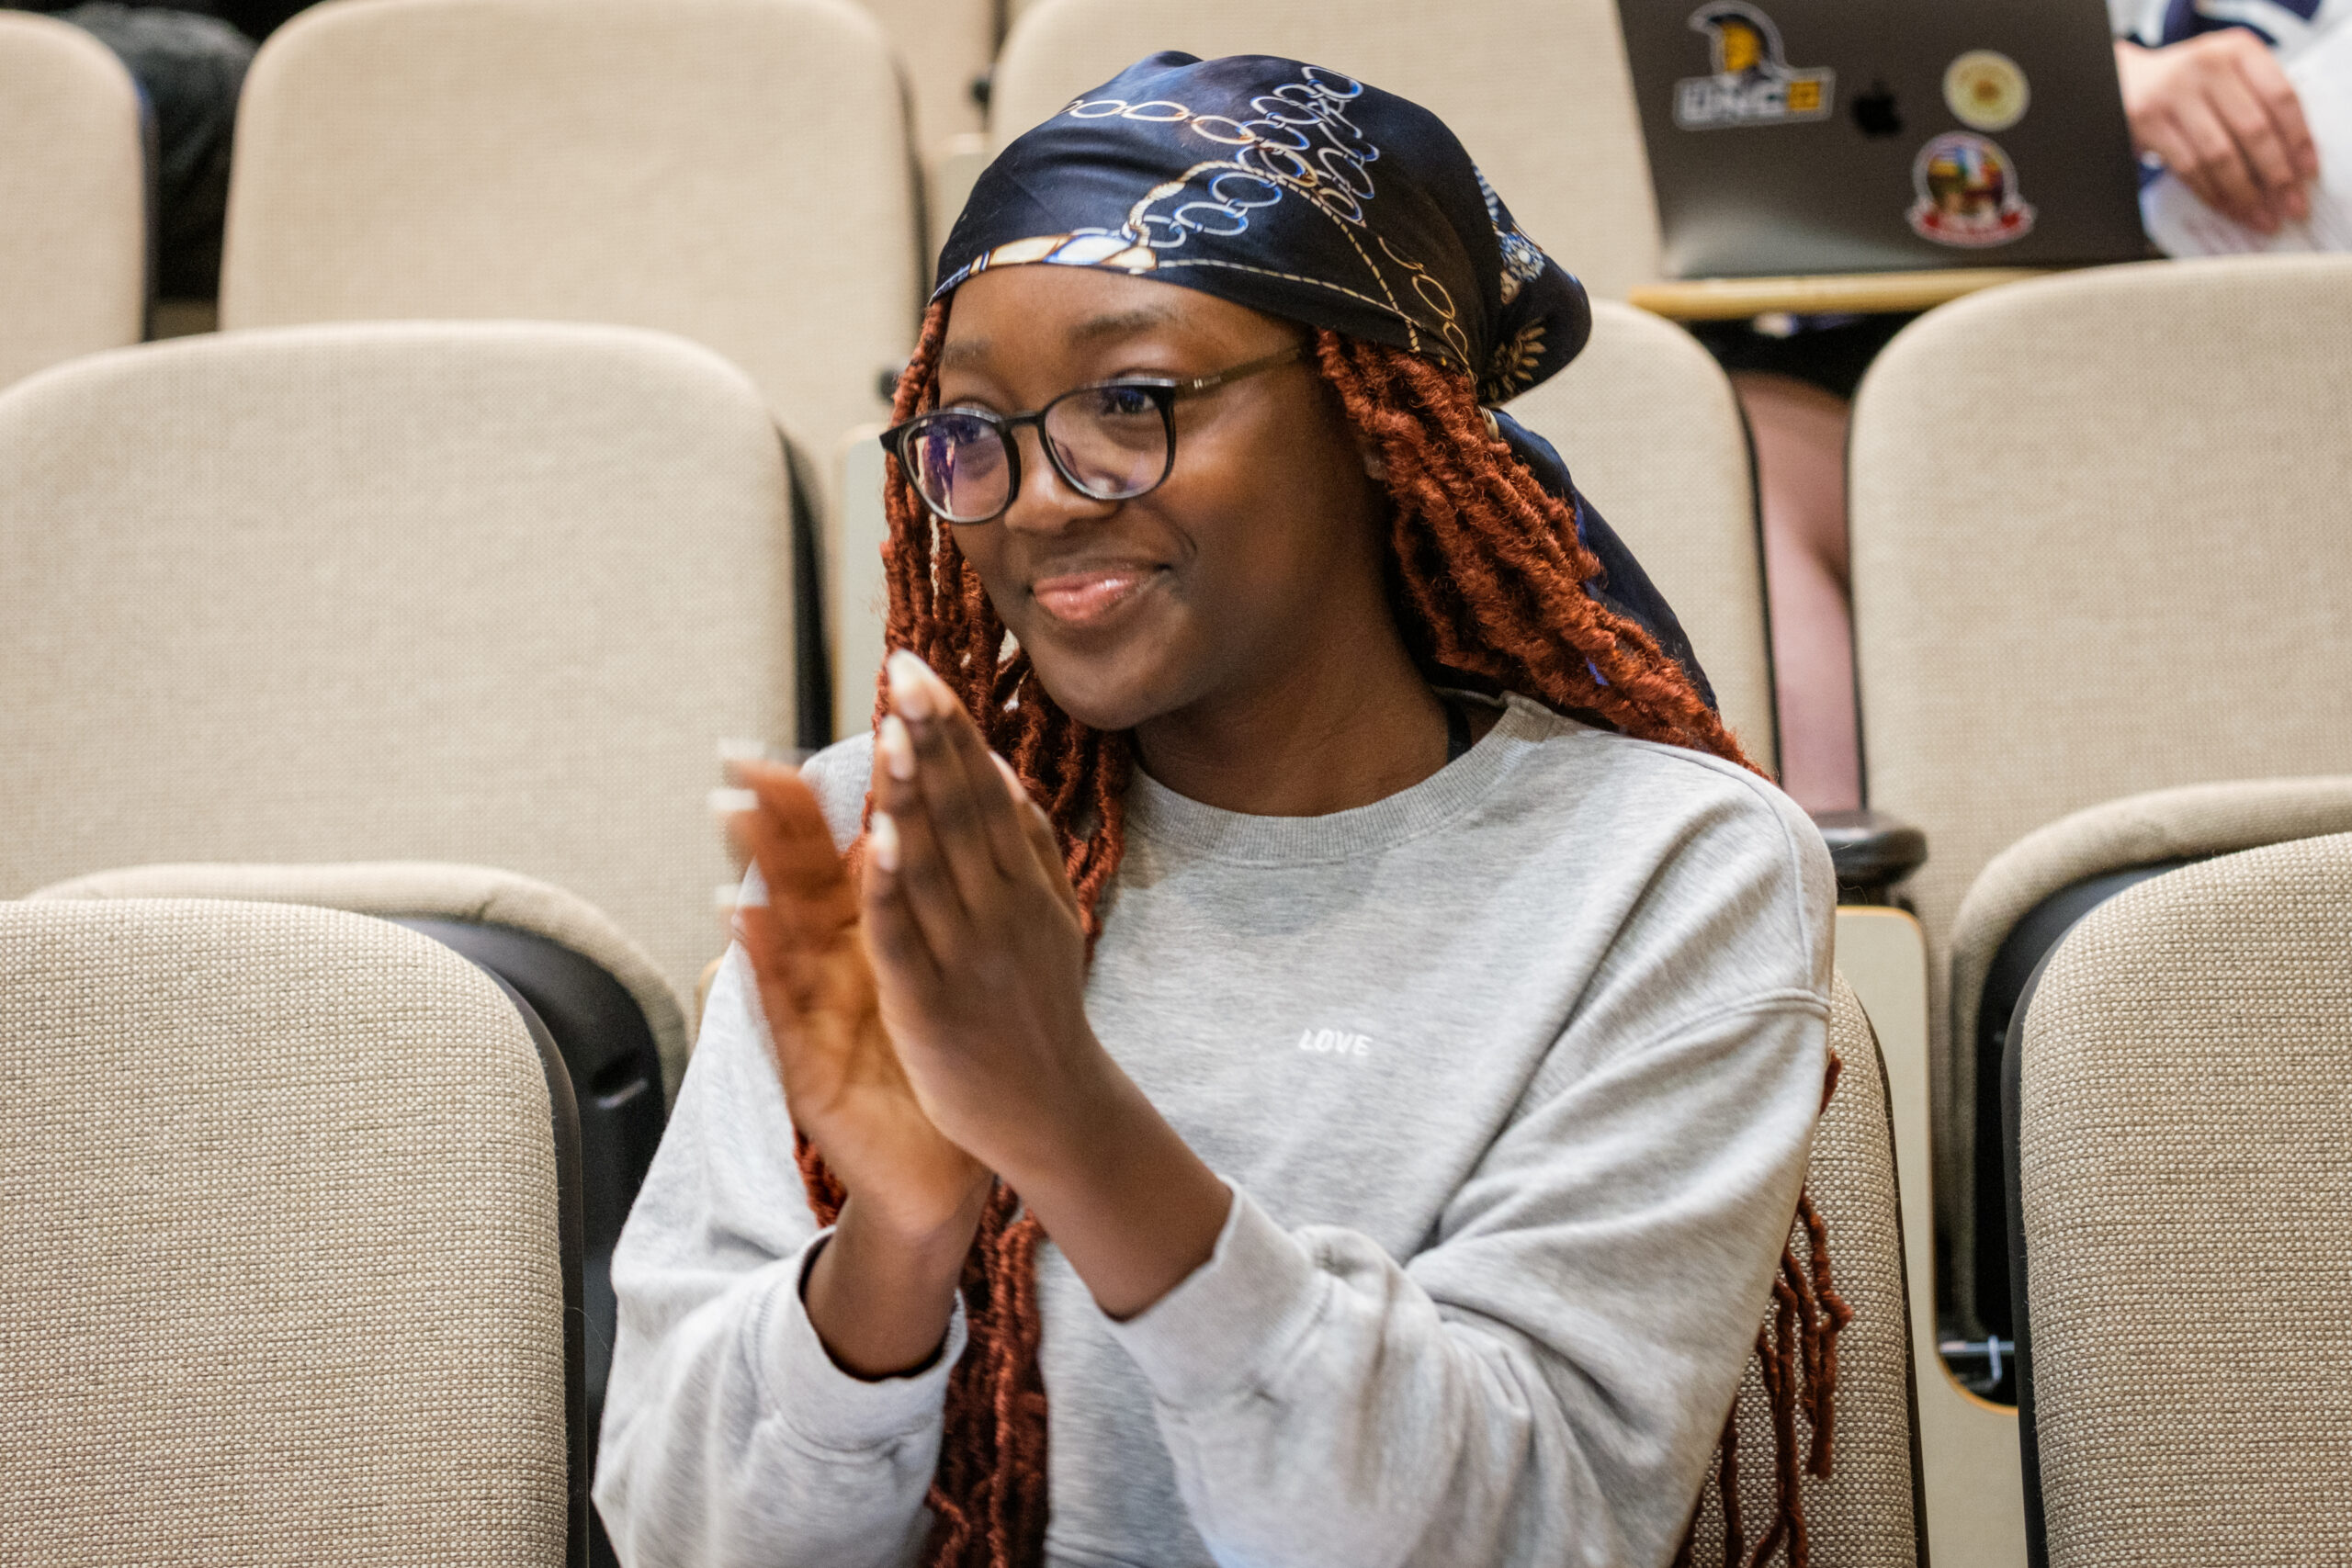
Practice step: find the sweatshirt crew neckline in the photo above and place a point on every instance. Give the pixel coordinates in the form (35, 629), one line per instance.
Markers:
(1158, 814)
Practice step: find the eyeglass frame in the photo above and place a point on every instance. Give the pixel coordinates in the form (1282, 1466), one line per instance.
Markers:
(1164, 391)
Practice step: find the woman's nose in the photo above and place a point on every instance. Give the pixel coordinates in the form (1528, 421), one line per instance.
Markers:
(1046, 502)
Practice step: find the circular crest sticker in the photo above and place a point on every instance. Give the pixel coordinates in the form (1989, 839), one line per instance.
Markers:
(1967, 191)
(1985, 91)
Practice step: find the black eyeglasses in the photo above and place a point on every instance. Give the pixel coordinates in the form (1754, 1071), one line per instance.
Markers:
(1111, 442)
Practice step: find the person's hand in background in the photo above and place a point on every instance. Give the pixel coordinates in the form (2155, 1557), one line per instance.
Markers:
(2220, 113)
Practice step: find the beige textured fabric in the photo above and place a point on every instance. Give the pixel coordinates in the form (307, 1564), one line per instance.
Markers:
(734, 171)
(2185, 1105)
(1648, 425)
(2099, 548)
(1538, 90)
(946, 45)
(2165, 824)
(424, 889)
(279, 1213)
(1861, 1516)
(73, 197)
(481, 593)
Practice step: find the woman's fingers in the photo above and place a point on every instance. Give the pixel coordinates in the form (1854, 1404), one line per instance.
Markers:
(920, 876)
(786, 838)
(975, 824)
(894, 936)
(786, 974)
(1037, 832)
(913, 873)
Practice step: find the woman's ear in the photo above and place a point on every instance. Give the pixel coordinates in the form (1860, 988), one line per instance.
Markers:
(1369, 450)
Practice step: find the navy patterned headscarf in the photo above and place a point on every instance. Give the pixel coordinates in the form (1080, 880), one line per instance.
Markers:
(1302, 193)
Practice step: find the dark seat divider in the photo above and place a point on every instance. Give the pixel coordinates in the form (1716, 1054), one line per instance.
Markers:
(605, 1073)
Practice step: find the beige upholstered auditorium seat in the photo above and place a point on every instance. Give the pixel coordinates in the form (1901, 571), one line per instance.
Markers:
(1650, 429)
(1538, 90)
(947, 46)
(421, 889)
(2099, 548)
(281, 1218)
(2192, 822)
(2184, 1106)
(1862, 1515)
(734, 171)
(73, 197)
(858, 594)
(482, 592)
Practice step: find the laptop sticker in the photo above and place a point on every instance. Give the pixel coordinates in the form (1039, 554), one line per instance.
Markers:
(1753, 83)
(1967, 190)
(1985, 91)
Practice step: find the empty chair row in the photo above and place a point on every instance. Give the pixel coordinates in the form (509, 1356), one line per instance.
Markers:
(482, 592)
(2098, 551)
(739, 171)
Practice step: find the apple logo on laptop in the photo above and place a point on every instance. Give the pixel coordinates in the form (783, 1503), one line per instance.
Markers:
(1874, 111)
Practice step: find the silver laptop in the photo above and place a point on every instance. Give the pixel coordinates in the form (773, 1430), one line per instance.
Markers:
(1808, 136)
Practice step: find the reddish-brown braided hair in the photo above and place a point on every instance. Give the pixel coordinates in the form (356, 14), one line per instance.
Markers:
(1489, 579)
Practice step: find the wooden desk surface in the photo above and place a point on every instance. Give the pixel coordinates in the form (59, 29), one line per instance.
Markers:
(1730, 298)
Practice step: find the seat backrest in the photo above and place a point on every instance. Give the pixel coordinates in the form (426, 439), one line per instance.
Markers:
(947, 46)
(734, 171)
(2184, 1102)
(1538, 91)
(610, 1015)
(73, 190)
(423, 890)
(1865, 1513)
(1650, 427)
(282, 1214)
(2193, 822)
(2099, 548)
(482, 592)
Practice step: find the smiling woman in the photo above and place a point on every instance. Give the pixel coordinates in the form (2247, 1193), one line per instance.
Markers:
(1310, 1053)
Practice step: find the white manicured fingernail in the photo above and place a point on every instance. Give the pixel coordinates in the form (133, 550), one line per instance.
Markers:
(898, 748)
(882, 840)
(733, 802)
(910, 686)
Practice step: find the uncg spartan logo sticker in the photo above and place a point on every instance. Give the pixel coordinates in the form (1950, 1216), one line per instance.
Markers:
(1967, 190)
(1753, 84)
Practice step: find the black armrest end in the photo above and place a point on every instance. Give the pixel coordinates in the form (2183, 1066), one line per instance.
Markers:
(1873, 851)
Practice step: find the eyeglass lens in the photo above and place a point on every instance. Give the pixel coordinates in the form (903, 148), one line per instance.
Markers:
(1111, 443)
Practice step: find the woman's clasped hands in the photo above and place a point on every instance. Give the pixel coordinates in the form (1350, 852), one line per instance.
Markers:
(929, 1028)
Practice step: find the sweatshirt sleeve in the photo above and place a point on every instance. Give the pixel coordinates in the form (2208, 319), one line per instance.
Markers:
(1546, 1382)
(729, 1435)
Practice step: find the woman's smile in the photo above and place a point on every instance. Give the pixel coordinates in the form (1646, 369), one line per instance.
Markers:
(1091, 597)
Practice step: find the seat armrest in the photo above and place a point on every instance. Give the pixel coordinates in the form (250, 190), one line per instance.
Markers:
(1873, 851)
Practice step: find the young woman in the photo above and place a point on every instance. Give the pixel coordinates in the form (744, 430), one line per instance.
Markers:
(1332, 1086)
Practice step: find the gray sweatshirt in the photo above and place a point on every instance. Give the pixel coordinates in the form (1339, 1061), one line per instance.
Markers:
(1513, 1075)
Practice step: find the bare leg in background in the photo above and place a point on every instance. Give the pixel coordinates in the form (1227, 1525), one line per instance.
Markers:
(1799, 435)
